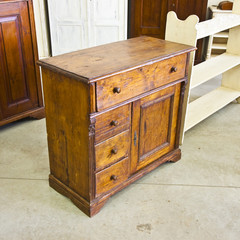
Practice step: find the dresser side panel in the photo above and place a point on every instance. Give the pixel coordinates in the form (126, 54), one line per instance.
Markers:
(67, 118)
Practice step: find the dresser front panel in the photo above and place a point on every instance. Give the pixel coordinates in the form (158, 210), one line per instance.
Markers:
(112, 122)
(112, 176)
(116, 89)
(112, 150)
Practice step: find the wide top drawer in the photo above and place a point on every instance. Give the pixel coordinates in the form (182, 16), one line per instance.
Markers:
(129, 84)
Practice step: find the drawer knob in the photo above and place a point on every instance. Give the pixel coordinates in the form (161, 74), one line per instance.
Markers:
(117, 90)
(113, 177)
(173, 69)
(114, 151)
(114, 123)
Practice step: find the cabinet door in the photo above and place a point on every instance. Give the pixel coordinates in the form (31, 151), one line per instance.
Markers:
(147, 18)
(18, 86)
(154, 126)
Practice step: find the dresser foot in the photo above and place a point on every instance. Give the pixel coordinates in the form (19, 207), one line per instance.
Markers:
(38, 114)
(238, 100)
(176, 157)
(90, 209)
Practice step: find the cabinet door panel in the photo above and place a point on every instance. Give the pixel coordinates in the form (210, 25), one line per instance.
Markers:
(17, 71)
(148, 18)
(154, 132)
(154, 126)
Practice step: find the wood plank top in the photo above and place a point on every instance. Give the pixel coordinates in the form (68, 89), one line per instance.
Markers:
(95, 63)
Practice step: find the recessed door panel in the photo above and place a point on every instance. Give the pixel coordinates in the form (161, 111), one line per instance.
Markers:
(148, 18)
(154, 126)
(18, 85)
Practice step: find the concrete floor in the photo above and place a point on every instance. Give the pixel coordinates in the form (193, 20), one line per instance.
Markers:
(196, 198)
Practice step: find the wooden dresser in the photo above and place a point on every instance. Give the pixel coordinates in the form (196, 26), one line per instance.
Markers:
(113, 115)
(20, 84)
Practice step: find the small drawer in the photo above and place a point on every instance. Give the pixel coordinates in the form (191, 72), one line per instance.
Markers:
(121, 87)
(111, 177)
(112, 150)
(112, 122)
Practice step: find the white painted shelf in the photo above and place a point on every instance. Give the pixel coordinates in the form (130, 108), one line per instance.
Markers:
(221, 46)
(221, 35)
(227, 64)
(218, 24)
(208, 104)
(213, 67)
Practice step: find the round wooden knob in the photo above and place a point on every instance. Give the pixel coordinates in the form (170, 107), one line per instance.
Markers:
(173, 69)
(113, 177)
(114, 123)
(117, 90)
(114, 151)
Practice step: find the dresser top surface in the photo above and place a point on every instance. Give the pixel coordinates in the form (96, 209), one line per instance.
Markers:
(97, 62)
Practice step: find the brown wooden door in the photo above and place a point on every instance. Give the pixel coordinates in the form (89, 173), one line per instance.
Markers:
(18, 86)
(185, 8)
(149, 17)
(154, 123)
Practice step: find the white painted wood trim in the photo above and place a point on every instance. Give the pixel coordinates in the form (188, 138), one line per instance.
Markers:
(228, 64)
(221, 35)
(217, 24)
(184, 32)
(213, 67)
(208, 104)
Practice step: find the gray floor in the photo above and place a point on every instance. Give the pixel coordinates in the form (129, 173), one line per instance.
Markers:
(195, 198)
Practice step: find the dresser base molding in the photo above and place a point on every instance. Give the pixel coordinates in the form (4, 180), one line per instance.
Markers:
(37, 113)
(95, 206)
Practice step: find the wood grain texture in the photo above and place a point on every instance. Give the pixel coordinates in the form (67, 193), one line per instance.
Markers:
(149, 17)
(113, 149)
(99, 144)
(68, 130)
(95, 206)
(102, 61)
(112, 122)
(111, 177)
(154, 124)
(138, 81)
(19, 78)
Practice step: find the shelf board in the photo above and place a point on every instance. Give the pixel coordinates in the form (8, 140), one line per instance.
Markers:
(217, 24)
(213, 55)
(208, 104)
(212, 68)
(221, 35)
(222, 46)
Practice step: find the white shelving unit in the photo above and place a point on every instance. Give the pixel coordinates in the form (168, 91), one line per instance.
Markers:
(217, 43)
(227, 64)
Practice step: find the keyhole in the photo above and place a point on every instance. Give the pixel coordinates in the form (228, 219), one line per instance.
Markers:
(145, 127)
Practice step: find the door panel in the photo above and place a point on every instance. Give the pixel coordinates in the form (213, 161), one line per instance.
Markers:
(148, 18)
(86, 23)
(68, 27)
(154, 124)
(17, 69)
(108, 21)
